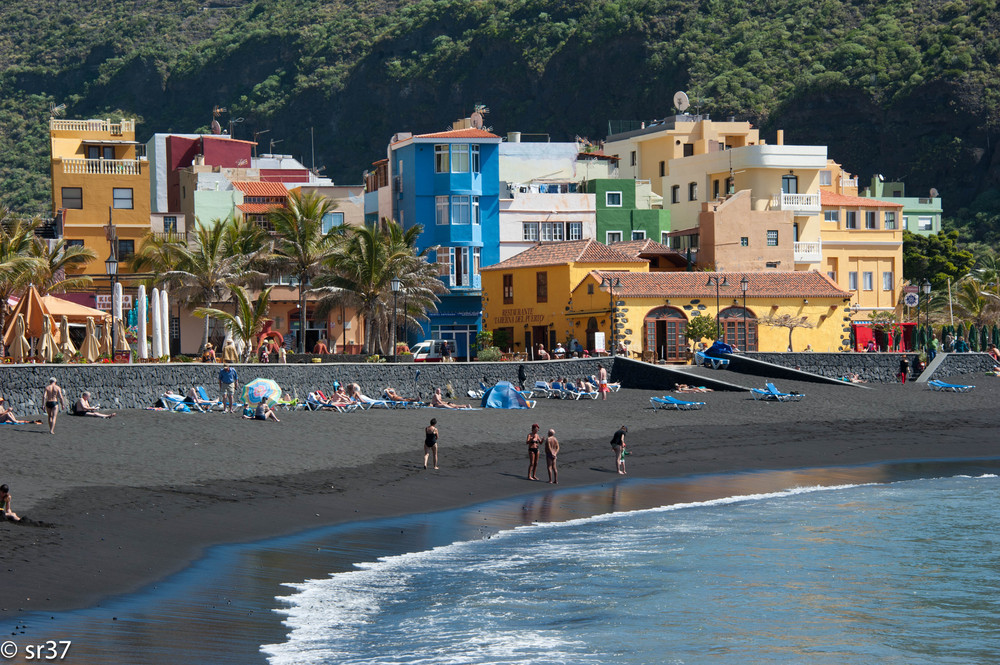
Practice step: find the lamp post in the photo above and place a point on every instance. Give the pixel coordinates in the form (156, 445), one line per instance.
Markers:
(714, 279)
(927, 314)
(611, 284)
(396, 284)
(744, 285)
(111, 264)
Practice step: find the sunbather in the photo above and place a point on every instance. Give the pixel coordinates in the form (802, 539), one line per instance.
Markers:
(438, 401)
(82, 407)
(194, 397)
(263, 412)
(391, 394)
(7, 415)
(684, 388)
(585, 386)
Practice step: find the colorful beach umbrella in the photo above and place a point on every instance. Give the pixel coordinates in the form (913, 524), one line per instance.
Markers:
(261, 390)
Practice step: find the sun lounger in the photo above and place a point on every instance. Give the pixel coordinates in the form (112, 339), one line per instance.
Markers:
(670, 402)
(941, 386)
(542, 389)
(212, 404)
(710, 361)
(175, 402)
(771, 393)
(314, 403)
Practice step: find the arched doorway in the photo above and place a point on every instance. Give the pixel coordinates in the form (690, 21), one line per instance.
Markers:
(739, 331)
(665, 328)
(591, 329)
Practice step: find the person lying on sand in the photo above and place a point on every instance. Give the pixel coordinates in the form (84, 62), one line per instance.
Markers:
(438, 401)
(82, 407)
(684, 388)
(7, 415)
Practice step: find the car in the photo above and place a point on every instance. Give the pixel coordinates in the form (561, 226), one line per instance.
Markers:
(430, 351)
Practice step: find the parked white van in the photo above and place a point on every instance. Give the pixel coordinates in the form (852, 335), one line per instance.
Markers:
(432, 351)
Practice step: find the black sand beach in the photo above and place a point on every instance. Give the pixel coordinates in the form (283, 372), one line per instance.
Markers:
(130, 500)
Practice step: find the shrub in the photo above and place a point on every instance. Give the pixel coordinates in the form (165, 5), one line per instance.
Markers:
(489, 354)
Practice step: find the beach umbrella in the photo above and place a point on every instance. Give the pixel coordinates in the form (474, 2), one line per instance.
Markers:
(140, 322)
(116, 302)
(19, 347)
(65, 343)
(106, 338)
(91, 348)
(48, 348)
(261, 390)
(973, 338)
(154, 316)
(984, 338)
(164, 323)
(995, 335)
(121, 341)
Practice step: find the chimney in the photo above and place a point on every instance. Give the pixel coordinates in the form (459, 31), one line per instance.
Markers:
(781, 137)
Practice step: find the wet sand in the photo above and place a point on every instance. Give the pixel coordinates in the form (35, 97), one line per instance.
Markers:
(135, 498)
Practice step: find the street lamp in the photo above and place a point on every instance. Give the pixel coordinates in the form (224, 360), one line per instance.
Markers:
(927, 315)
(744, 285)
(396, 284)
(111, 265)
(611, 284)
(714, 279)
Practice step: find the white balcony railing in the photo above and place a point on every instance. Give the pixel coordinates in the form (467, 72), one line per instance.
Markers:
(114, 128)
(796, 202)
(75, 165)
(848, 182)
(807, 252)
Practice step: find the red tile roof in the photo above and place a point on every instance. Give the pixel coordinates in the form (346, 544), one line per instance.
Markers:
(842, 200)
(775, 284)
(565, 253)
(253, 188)
(470, 133)
(645, 246)
(258, 208)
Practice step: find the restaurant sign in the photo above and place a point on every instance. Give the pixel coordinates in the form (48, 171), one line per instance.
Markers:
(512, 315)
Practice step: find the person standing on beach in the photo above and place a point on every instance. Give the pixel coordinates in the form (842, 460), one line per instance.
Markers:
(522, 377)
(904, 369)
(551, 453)
(431, 442)
(52, 398)
(618, 445)
(228, 383)
(602, 381)
(5, 505)
(534, 441)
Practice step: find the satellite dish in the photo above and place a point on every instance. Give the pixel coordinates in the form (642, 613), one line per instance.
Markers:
(216, 127)
(934, 193)
(477, 120)
(681, 101)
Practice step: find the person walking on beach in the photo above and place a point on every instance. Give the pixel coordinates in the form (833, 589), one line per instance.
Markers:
(602, 381)
(431, 442)
(551, 453)
(522, 377)
(5, 505)
(52, 398)
(228, 383)
(904, 369)
(534, 441)
(618, 445)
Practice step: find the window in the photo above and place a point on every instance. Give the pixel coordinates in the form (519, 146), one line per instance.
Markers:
(474, 155)
(852, 281)
(475, 210)
(832, 275)
(871, 219)
(831, 215)
(675, 194)
(790, 184)
(72, 197)
(663, 169)
(542, 286)
(772, 238)
(925, 223)
(551, 231)
(633, 158)
(688, 149)
(170, 224)
(590, 289)
(890, 221)
(825, 178)
(330, 220)
(441, 159)
(74, 243)
(887, 281)
(692, 191)
(744, 241)
(444, 265)
(460, 210)
(613, 236)
(460, 158)
(867, 282)
(851, 219)
(122, 198)
(730, 185)
(477, 261)
(574, 231)
(441, 210)
(715, 189)
(613, 199)
(665, 238)
(461, 266)
(530, 231)
(508, 289)
(126, 249)
(638, 235)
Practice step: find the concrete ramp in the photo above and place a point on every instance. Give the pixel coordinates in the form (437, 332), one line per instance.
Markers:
(638, 374)
(752, 367)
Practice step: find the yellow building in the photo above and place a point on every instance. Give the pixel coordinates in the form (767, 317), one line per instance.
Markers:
(526, 299)
(99, 178)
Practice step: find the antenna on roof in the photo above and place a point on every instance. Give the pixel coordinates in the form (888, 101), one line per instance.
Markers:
(681, 101)
(275, 142)
(56, 111)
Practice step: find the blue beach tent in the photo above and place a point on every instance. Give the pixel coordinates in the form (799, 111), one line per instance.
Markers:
(504, 396)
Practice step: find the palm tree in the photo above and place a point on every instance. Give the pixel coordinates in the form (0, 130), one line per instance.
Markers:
(49, 273)
(301, 247)
(362, 269)
(249, 319)
(158, 255)
(16, 262)
(975, 301)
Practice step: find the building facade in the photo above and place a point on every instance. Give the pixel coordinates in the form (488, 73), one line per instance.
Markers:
(920, 214)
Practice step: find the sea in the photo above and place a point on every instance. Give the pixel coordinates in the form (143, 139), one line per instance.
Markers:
(885, 563)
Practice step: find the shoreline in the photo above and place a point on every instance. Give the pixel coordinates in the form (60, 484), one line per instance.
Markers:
(157, 502)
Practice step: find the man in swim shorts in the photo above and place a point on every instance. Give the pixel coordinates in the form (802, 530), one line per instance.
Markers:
(52, 398)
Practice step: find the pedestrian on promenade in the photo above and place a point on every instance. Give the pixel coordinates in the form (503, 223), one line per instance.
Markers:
(551, 453)
(961, 346)
(904, 369)
(534, 441)
(431, 442)
(618, 445)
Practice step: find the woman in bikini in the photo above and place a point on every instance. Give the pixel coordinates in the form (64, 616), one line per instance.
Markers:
(431, 442)
(52, 397)
(534, 441)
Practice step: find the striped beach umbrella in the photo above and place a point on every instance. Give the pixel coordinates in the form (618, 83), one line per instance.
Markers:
(261, 390)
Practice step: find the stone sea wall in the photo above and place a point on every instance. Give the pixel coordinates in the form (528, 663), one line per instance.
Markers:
(871, 367)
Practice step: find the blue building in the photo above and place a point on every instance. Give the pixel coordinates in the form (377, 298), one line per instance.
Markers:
(449, 182)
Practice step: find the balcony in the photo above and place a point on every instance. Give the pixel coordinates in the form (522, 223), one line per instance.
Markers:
(75, 166)
(848, 182)
(807, 252)
(113, 128)
(807, 203)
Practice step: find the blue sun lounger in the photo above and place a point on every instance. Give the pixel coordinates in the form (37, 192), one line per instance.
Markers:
(670, 402)
(710, 361)
(941, 386)
(771, 393)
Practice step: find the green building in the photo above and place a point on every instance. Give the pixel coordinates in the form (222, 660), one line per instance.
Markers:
(625, 210)
(920, 215)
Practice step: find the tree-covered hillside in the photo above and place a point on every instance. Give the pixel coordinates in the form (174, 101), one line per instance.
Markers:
(905, 88)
